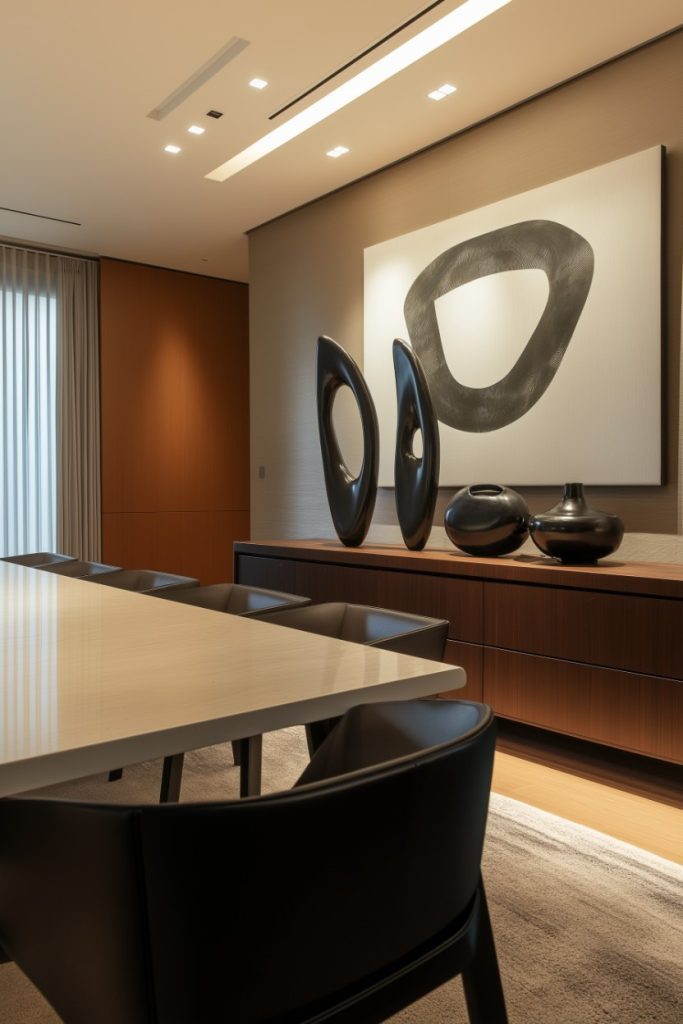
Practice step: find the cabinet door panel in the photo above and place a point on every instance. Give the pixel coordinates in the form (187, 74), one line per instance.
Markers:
(459, 601)
(271, 573)
(471, 658)
(640, 634)
(634, 712)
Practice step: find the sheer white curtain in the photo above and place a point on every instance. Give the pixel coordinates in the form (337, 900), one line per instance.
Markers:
(49, 404)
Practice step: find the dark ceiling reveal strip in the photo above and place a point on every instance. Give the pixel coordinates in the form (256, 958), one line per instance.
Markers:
(354, 60)
(42, 216)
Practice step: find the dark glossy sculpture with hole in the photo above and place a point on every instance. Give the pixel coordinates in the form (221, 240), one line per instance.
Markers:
(416, 477)
(487, 520)
(351, 498)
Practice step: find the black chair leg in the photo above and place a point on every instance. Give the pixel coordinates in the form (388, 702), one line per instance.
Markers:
(316, 732)
(171, 778)
(481, 979)
(236, 752)
(251, 750)
(115, 774)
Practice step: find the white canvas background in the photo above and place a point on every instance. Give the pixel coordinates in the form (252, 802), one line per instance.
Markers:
(599, 421)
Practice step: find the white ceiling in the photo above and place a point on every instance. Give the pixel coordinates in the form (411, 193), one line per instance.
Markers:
(77, 80)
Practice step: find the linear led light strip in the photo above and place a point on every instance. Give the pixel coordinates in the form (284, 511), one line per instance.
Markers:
(442, 31)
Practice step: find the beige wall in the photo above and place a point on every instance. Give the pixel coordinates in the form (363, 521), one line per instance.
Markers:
(306, 275)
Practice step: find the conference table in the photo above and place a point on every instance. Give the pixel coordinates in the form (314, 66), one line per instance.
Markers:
(94, 678)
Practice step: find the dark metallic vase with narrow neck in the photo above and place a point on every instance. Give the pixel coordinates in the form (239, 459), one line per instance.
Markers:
(574, 532)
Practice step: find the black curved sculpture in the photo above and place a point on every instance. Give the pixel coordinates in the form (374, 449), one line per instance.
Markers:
(416, 478)
(351, 499)
(565, 257)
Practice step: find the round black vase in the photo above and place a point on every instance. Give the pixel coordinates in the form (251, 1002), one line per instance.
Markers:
(574, 532)
(487, 520)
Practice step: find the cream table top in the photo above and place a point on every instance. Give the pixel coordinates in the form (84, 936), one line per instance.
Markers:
(94, 678)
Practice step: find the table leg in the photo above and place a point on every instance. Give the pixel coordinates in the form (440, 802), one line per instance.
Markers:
(171, 779)
(251, 750)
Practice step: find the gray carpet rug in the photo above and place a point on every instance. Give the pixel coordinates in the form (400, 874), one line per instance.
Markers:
(589, 930)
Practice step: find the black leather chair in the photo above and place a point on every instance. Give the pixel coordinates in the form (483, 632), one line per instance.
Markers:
(37, 558)
(77, 568)
(404, 633)
(233, 599)
(143, 581)
(418, 635)
(344, 900)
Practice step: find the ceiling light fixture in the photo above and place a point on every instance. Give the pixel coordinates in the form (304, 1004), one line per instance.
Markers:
(258, 83)
(171, 149)
(337, 151)
(227, 53)
(442, 92)
(431, 38)
(196, 129)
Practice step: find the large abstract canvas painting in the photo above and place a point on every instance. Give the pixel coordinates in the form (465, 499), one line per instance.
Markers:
(537, 321)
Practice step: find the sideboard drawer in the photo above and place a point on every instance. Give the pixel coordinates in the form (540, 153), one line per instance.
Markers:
(459, 601)
(639, 634)
(634, 712)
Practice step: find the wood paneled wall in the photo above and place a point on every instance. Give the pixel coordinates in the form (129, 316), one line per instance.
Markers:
(175, 419)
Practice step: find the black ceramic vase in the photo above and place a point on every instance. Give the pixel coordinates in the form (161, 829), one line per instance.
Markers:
(487, 519)
(574, 532)
(416, 477)
(351, 498)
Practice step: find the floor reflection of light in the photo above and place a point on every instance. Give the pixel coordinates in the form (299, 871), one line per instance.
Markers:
(28, 676)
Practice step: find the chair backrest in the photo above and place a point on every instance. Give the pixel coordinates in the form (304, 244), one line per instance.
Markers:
(236, 599)
(144, 581)
(77, 568)
(37, 558)
(418, 635)
(251, 911)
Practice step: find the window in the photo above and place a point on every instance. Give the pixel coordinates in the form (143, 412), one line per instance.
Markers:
(28, 384)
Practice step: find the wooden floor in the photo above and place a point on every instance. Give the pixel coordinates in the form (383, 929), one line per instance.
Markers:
(646, 823)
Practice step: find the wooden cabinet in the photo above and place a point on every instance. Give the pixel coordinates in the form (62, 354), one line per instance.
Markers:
(592, 651)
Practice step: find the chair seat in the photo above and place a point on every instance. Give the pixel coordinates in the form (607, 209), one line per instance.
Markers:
(142, 581)
(236, 599)
(77, 568)
(37, 558)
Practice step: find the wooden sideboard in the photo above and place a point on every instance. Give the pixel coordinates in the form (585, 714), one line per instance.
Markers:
(594, 652)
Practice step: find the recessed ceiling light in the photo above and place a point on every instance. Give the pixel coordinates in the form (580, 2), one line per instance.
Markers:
(196, 129)
(172, 149)
(442, 31)
(258, 83)
(441, 92)
(337, 151)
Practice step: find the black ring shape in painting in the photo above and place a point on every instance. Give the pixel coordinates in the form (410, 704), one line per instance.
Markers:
(351, 499)
(567, 260)
(416, 477)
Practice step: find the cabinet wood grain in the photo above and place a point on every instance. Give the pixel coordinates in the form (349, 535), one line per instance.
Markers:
(626, 710)
(594, 652)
